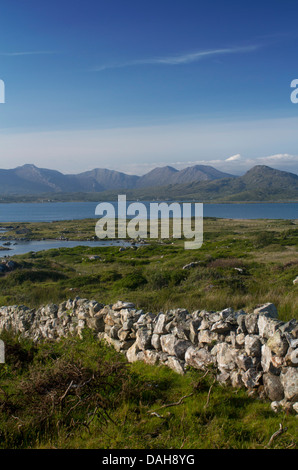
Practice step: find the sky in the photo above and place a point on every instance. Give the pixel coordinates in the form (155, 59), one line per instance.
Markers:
(131, 85)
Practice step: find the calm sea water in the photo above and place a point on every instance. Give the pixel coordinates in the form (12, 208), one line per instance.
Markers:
(23, 247)
(47, 212)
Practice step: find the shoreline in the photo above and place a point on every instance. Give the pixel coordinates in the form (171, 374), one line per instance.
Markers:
(37, 201)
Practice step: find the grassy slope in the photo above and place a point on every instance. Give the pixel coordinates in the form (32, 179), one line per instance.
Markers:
(152, 276)
(113, 412)
(112, 404)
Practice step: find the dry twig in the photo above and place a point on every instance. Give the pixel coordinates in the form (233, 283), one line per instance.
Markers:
(280, 431)
(179, 402)
(66, 391)
(209, 393)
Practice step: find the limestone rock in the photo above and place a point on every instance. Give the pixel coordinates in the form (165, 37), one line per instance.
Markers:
(143, 338)
(268, 309)
(94, 307)
(267, 326)
(273, 387)
(155, 341)
(240, 340)
(95, 323)
(278, 344)
(193, 330)
(114, 331)
(119, 305)
(208, 337)
(175, 364)
(123, 335)
(221, 327)
(130, 315)
(251, 323)
(112, 318)
(289, 380)
(244, 362)
(267, 361)
(236, 379)
(151, 357)
(131, 353)
(241, 322)
(198, 358)
(160, 325)
(291, 358)
(113, 342)
(226, 357)
(251, 378)
(173, 346)
(252, 345)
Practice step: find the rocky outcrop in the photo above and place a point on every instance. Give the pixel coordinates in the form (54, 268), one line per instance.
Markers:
(253, 350)
(7, 265)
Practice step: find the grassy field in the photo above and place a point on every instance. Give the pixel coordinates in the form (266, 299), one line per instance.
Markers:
(115, 405)
(241, 264)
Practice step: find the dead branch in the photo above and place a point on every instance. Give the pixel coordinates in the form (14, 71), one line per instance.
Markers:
(153, 413)
(280, 431)
(179, 402)
(66, 391)
(209, 393)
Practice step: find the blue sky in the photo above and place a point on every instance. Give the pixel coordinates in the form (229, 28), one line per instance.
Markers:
(131, 85)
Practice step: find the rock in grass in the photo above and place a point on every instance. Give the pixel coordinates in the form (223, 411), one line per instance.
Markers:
(176, 364)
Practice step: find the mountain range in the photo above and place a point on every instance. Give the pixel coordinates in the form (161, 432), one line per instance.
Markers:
(28, 179)
(199, 182)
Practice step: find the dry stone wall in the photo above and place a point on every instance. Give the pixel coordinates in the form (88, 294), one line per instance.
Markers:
(253, 350)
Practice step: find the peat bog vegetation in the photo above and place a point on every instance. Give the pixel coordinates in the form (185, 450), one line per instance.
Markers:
(242, 263)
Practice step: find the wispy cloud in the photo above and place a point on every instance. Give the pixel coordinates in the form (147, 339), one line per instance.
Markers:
(138, 149)
(179, 59)
(233, 158)
(23, 53)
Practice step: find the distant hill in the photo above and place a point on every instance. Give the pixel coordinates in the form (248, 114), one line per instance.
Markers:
(169, 175)
(158, 177)
(201, 183)
(199, 173)
(261, 183)
(108, 179)
(29, 179)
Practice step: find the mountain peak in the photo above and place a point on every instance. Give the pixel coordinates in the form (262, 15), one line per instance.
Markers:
(28, 165)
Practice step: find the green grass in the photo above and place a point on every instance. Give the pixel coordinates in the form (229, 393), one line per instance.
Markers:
(241, 264)
(111, 403)
(111, 407)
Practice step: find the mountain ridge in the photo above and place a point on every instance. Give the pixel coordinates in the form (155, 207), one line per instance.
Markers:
(205, 184)
(29, 179)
